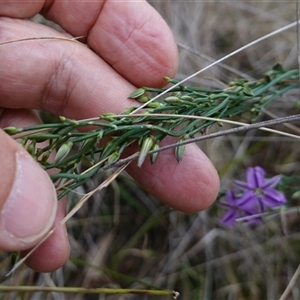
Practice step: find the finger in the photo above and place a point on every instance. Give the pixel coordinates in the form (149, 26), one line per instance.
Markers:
(53, 253)
(20, 9)
(131, 36)
(65, 78)
(190, 186)
(74, 82)
(28, 200)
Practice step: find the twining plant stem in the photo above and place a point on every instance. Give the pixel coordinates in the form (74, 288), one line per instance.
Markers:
(172, 116)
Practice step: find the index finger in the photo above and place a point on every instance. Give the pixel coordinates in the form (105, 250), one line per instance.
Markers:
(129, 35)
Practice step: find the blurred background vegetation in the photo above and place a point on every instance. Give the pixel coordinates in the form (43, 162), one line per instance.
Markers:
(123, 237)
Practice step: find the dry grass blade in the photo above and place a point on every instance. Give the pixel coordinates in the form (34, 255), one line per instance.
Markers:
(80, 290)
(75, 39)
(291, 284)
(83, 200)
(275, 32)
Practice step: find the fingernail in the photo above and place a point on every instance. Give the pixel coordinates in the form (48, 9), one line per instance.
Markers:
(30, 209)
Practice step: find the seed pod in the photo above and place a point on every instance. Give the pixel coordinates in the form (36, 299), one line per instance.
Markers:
(113, 158)
(31, 148)
(137, 93)
(24, 142)
(11, 130)
(45, 158)
(172, 99)
(187, 98)
(62, 118)
(154, 104)
(143, 99)
(63, 151)
(108, 117)
(128, 110)
(145, 148)
(154, 156)
(167, 79)
(179, 151)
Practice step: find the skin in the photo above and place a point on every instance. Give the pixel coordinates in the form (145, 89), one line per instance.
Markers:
(129, 45)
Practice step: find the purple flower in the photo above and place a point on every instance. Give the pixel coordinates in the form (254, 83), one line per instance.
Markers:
(259, 192)
(234, 211)
(258, 195)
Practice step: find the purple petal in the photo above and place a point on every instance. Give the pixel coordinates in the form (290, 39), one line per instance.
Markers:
(261, 205)
(229, 217)
(255, 177)
(272, 182)
(231, 199)
(248, 201)
(273, 198)
(242, 184)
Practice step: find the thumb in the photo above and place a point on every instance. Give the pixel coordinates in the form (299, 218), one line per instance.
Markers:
(28, 200)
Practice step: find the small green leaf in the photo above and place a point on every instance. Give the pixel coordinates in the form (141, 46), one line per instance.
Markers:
(247, 91)
(100, 135)
(63, 151)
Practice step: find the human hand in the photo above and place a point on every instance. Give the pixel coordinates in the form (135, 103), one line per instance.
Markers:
(131, 46)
